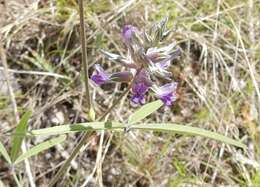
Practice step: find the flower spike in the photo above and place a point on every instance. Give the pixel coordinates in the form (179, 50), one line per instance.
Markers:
(146, 56)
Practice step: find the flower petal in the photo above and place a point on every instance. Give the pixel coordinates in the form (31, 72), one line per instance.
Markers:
(125, 61)
(139, 90)
(159, 71)
(136, 100)
(127, 33)
(167, 93)
(167, 88)
(159, 62)
(101, 76)
(167, 61)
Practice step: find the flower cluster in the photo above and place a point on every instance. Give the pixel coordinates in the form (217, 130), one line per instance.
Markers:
(143, 60)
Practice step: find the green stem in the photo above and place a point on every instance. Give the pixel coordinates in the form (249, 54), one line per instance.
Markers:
(16, 178)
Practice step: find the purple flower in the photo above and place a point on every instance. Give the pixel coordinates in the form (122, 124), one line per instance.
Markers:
(101, 77)
(139, 90)
(143, 59)
(141, 84)
(127, 32)
(167, 93)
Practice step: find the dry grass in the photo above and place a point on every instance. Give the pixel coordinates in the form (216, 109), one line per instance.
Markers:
(219, 75)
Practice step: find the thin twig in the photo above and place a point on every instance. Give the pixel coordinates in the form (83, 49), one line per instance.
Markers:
(84, 52)
(86, 80)
(15, 110)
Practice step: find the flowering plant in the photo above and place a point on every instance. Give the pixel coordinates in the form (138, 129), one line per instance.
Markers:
(144, 59)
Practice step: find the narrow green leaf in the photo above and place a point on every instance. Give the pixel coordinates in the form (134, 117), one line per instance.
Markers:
(179, 166)
(144, 111)
(166, 127)
(64, 129)
(4, 153)
(40, 147)
(188, 130)
(18, 136)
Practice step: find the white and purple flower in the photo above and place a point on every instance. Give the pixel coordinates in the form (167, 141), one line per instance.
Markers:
(101, 77)
(167, 93)
(142, 62)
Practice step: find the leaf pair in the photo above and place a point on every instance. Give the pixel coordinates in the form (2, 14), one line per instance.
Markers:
(136, 117)
(17, 139)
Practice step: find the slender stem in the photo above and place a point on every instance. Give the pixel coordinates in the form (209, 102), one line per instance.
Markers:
(86, 79)
(16, 179)
(83, 140)
(84, 52)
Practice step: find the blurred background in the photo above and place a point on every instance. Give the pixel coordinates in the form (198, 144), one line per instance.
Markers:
(219, 90)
